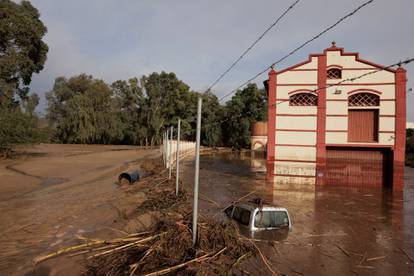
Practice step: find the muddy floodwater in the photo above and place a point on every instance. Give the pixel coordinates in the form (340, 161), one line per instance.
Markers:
(336, 230)
(53, 194)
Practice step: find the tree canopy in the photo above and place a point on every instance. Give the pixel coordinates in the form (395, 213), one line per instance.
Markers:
(137, 111)
(81, 110)
(247, 106)
(22, 53)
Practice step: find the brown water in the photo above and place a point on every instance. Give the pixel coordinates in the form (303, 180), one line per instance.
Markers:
(336, 230)
(47, 200)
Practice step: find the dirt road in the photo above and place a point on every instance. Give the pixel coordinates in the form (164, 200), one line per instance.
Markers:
(52, 193)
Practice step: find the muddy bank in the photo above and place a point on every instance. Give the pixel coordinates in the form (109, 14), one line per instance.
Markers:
(39, 216)
(158, 237)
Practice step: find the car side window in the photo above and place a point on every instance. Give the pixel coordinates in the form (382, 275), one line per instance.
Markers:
(242, 215)
(237, 213)
(245, 217)
(229, 210)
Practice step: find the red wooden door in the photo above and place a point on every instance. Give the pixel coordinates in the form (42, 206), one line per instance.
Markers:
(356, 167)
(363, 125)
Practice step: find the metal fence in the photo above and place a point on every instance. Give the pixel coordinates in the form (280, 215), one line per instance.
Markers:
(174, 150)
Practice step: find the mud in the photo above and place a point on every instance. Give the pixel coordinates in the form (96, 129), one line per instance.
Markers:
(159, 238)
(173, 246)
(40, 214)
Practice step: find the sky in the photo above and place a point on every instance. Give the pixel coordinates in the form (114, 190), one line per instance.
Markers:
(198, 40)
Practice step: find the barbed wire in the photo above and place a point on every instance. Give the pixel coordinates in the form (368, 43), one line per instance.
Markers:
(252, 45)
(298, 48)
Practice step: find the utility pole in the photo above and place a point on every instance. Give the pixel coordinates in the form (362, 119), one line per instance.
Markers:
(177, 158)
(197, 169)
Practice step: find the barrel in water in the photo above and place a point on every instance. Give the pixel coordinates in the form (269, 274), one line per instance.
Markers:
(128, 177)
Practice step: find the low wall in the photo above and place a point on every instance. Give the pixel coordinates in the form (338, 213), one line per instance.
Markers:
(186, 147)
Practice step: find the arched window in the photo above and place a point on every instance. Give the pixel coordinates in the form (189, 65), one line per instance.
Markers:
(363, 99)
(303, 99)
(363, 119)
(334, 73)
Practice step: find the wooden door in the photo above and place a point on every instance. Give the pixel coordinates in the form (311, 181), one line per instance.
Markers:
(363, 125)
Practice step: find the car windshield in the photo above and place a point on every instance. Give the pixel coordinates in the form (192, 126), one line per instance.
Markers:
(241, 215)
(271, 219)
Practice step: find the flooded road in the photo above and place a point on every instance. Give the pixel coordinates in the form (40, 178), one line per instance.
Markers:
(57, 192)
(336, 230)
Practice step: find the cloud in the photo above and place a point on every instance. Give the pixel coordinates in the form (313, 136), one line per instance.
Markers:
(198, 40)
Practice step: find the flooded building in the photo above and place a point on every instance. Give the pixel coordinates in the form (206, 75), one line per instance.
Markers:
(329, 125)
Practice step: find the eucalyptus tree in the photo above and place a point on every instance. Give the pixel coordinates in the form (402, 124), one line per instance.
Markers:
(22, 53)
(129, 100)
(166, 99)
(82, 110)
(247, 106)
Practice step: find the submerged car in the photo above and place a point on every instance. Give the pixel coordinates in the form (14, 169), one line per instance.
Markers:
(259, 217)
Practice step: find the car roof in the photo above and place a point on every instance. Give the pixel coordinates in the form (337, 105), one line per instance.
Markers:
(252, 206)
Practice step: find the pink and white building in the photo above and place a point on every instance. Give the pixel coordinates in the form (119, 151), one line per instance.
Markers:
(352, 133)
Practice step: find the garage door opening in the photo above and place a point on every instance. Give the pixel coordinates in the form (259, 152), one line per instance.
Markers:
(358, 167)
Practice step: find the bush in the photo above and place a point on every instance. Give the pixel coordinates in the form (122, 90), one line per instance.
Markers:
(16, 128)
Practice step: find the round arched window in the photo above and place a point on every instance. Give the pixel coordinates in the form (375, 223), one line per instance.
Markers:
(303, 99)
(363, 99)
(334, 73)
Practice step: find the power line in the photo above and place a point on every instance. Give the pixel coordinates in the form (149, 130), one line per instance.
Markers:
(252, 45)
(299, 47)
(404, 62)
(407, 61)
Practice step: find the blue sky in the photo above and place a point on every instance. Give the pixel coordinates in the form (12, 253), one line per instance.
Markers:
(198, 39)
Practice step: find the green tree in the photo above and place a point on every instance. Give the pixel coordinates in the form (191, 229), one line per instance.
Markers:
(166, 99)
(245, 107)
(212, 117)
(22, 51)
(16, 127)
(82, 111)
(130, 101)
(30, 104)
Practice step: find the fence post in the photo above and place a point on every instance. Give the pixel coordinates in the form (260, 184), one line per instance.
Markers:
(164, 152)
(163, 148)
(177, 161)
(197, 169)
(170, 153)
(166, 149)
